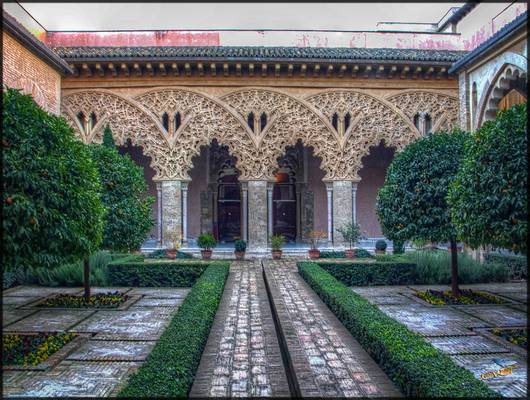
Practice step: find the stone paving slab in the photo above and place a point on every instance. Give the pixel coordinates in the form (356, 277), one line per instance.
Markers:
(68, 379)
(517, 296)
(326, 360)
(242, 357)
(10, 315)
(40, 291)
(18, 301)
(390, 299)
(512, 385)
(497, 315)
(49, 320)
(466, 345)
(165, 293)
(148, 301)
(136, 323)
(98, 350)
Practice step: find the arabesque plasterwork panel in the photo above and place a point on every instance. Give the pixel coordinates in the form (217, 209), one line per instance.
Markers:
(289, 118)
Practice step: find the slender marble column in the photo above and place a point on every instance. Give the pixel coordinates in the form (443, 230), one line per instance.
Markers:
(354, 201)
(257, 215)
(329, 191)
(171, 210)
(184, 212)
(270, 188)
(342, 208)
(244, 211)
(159, 212)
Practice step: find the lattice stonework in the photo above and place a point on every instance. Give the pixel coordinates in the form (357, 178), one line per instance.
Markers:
(289, 119)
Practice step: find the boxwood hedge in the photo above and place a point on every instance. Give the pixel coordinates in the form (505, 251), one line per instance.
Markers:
(170, 368)
(123, 272)
(414, 365)
(372, 273)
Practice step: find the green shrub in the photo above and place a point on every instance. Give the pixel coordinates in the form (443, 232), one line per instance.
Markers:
(413, 364)
(398, 247)
(240, 245)
(170, 368)
(372, 273)
(277, 241)
(380, 245)
(516, 265)
(69, 274)
(161, 254)
(359, 253)
(160, 274)
(206, 241)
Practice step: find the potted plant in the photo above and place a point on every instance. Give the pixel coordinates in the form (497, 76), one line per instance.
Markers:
(206, 242)
(240, 246)
(380, 247)
(277, 242)
(174, 244)
(351, 233)
(314, 238)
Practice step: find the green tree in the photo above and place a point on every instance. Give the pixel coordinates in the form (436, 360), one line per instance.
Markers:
(52, 210)
(488, 199)
(128, 218)
(412, 203)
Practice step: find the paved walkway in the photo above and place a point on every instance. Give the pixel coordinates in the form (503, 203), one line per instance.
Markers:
(327, 361)
(112, 343)
(242, 357)
(464, 332)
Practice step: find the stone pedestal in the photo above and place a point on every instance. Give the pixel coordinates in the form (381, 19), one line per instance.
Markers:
(171, 194)
(342, 208)
(257, 216)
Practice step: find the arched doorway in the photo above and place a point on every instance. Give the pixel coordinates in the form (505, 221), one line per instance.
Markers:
(228, 205)
(284, 207)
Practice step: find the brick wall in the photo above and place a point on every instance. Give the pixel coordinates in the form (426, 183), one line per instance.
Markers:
(22, 69)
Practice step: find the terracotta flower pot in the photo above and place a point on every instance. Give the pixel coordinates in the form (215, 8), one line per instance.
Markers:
(350, 253)
(380, 252)
(314, 253)
(171, 253)
(206, 254)
(276, 254)
(240, 255)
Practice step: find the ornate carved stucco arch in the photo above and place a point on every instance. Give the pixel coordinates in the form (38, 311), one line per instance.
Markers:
(289, 119)
(441, 107)
(373, 120)
(487, 107)
(204, 118)
(127, 121)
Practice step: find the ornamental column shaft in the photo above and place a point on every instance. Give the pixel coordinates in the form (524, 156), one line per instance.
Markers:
(184, 211)
(354, 202)
(342, 208)
(159, 212)
(257, 216)
(270, 188)
(244, 211)
(329, 193)
(171, 210)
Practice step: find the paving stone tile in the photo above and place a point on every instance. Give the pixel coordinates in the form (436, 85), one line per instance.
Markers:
(497, 315)
(148, 301)
(68, 379)
(511, 385)
(99, 350)
(466, 345)
(40, 291)
(161, 293)
(17, 301)
(49, 320)
(11, 315)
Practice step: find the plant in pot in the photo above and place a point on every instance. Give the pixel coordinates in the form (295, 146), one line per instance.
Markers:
(380, 247)
(314, 238)
(277, 242)
(240, 246)
(206, 242)
(351, 233)
(174, 244)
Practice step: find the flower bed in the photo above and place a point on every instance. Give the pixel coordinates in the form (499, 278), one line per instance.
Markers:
(413, 364)
(467, 296)
(516, 336)
(32, 349)
(170, 368)
(98, 300)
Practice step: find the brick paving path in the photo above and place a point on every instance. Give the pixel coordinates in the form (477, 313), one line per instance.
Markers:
(115, 342)
(242, 357)
(327, 361)
(464, 332)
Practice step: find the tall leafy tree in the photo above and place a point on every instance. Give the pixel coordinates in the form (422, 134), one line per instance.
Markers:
(412, 203)
(488, 199)
(52, 211)
(123, 185)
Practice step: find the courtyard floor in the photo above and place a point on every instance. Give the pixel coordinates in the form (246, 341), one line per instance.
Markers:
(464, 331)
(266, 306)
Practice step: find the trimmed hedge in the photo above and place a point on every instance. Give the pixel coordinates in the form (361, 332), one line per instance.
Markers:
(126, 257)
(123, 272)
(372, 273)
(161, 254)
(413, 364)
(170, 368)
(517, 265)
(359, 253)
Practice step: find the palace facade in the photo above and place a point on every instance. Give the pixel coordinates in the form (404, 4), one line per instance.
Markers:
(251, 141)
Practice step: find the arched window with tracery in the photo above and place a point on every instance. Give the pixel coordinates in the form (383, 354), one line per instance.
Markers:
(347, 121)
(165, 121)
(263, 121)
(177, 121)
(250, 121)
(335, 121)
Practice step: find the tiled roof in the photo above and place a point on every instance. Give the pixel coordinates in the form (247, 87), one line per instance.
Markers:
(499, 36)
(249, 53)
(19, 32)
